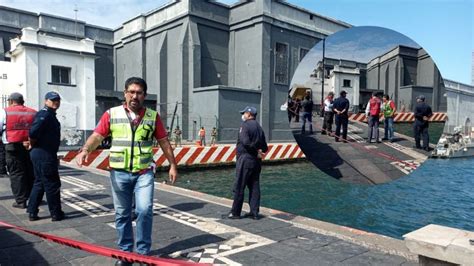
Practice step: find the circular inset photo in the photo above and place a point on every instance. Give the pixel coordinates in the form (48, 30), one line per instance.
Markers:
(367, 105)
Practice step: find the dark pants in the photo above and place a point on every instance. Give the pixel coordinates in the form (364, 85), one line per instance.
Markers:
(248, 175)
(373, 128)
(341, 121)
(307, 116)
(45, 166)
(421, 130)
(327, 122)
(21, 171)
(3, 163)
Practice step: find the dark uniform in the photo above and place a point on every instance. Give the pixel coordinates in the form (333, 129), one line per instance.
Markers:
(307, 106)
(420, 126)
(342, 120)
(3, 163)
(46, 130)
(251, 139)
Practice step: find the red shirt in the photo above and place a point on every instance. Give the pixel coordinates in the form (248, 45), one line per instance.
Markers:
(103, 127)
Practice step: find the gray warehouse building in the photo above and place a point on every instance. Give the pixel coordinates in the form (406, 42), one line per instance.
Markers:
(215, 59)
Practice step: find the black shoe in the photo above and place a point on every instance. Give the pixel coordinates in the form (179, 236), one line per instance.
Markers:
(123, 263)
(384, 138)
(417, 147)
(253, 216)
(323, 133)
(233, 216)
(19, 205)
(33, 217)
(58, 217)
(368, 141)
(427, 149)
(378, 141)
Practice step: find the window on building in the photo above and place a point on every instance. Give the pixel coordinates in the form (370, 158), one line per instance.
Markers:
(281, 63)
(303, 52)
(346, 83)
(60, 75)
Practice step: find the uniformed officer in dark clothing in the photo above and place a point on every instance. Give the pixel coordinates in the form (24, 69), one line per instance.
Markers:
(45, 139)
(251, 146)
(341, 110)
(307, 106)
(422, 115)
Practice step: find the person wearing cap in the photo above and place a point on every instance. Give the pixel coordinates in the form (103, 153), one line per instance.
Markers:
(133, 128)
(45, 136)
(16, 121)
(328, 114)
(307, 107)
(341, 110)
(422, 115)
(251, 147)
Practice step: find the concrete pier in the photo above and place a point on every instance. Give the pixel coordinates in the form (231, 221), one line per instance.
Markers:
(188, 226)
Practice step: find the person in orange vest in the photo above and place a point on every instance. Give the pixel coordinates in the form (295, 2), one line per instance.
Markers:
(16, 121)
(373, 115)
(202, 136)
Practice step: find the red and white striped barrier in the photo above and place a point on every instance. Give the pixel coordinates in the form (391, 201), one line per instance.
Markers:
(196, 155)
(401, 117)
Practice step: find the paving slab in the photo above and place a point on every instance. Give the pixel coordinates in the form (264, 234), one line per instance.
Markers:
(187, 226)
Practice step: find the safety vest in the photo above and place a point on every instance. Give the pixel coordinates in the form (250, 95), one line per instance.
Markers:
(18, 122)
(387, 110)
(374, 106)
(131, 150)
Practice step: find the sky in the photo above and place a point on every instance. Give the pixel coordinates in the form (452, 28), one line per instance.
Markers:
(359, 43)
(443, 27)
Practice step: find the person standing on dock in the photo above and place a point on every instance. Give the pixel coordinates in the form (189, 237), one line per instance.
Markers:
(177, 137)
(16, 121)
(251, 147)
(307, 107)
(372, 112)
(388, 110)
(132, 127)
(422, 115)
(202, 136)
(341, 108)
(45, 138)
(328, 114)
(213, 136)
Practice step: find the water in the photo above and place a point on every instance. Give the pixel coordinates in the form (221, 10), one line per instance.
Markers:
(439, 192)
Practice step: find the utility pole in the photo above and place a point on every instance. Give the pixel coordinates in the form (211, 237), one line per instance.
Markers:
(75, 21)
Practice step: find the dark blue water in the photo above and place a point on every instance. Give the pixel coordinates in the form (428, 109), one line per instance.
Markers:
(439, 192)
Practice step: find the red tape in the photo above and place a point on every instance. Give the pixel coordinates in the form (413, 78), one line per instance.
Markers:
(104, 251)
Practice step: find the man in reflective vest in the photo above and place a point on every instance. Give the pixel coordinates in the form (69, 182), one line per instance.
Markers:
(16, 121)
(373, 115)
(132, 128)
(388, 110)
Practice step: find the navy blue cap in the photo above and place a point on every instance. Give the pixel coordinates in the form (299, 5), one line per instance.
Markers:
(252, 110)
(52, 95)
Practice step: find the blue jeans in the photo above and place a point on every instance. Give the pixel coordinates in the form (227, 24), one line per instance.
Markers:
(125, 186)
(388, 127)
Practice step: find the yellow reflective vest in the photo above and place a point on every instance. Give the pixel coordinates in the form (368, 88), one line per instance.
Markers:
(131, 148)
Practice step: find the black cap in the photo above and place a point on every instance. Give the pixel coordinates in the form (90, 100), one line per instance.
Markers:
(421, 97)
(252, 110)
(16, 96)
(52, 95)
(343, 92)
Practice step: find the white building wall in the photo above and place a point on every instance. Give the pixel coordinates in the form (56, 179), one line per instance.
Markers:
(34, 55)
